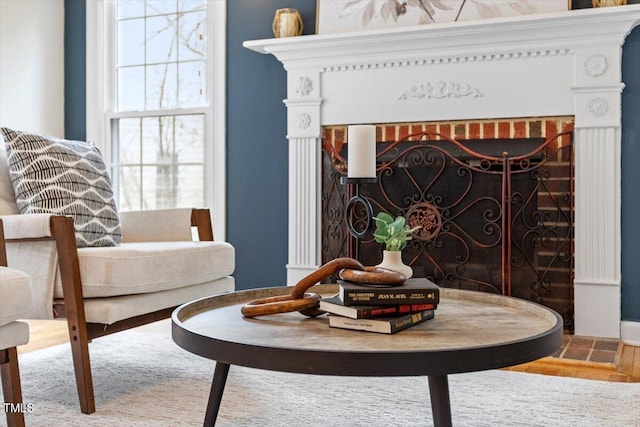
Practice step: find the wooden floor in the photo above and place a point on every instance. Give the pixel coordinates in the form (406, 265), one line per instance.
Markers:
(46, 333)
(626, 368)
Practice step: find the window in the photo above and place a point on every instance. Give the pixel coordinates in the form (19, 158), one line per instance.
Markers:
(159, 100)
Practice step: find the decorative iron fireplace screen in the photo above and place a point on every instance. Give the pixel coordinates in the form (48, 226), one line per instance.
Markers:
(497, 214)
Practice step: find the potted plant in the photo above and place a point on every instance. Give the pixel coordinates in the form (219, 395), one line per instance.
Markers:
(394, 233)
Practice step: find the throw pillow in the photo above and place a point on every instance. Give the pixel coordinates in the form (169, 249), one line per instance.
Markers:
(58, 176)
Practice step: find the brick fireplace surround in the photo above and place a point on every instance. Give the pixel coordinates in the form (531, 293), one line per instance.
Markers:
(471, 243)
(546, 65)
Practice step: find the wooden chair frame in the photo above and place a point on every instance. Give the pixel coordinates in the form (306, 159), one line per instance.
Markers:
(11, 387)
(9, 369)
(71, 306)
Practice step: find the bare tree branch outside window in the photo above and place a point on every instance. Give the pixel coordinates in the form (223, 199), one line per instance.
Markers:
(162, 60)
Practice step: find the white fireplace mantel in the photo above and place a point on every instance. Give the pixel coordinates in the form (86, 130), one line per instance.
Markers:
(558, 64)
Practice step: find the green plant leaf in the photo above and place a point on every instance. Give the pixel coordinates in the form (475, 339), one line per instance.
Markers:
(384, 217)
(392, 232)
(379, 238)
(396, 225)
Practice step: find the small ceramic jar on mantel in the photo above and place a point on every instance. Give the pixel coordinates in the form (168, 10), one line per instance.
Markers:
(605, 3)
(287, 23)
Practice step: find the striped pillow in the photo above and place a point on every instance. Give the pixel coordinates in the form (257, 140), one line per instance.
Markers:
(63, 177)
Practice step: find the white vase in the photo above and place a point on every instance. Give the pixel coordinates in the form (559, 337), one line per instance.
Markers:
(392, 260)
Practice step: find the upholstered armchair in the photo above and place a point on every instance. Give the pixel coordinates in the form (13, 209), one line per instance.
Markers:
(150, 264)
(15, 300)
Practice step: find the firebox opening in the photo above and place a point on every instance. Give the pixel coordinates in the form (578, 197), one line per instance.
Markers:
(497, 213)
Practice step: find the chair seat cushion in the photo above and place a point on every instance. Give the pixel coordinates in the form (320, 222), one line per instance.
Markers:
(15, 295)
(112, 309)
(14, 334)
(136, 268)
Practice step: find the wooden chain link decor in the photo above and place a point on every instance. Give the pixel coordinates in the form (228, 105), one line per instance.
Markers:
(307, 302)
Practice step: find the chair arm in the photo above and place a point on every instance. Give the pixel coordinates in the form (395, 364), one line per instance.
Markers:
(161, 225)
(30, 247)
(27, 226)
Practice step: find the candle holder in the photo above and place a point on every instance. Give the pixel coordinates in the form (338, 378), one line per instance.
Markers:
(366, 222)
(361, 149)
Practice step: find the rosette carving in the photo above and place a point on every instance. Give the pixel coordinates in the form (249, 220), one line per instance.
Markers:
(595, 65)
(304, 86)
(598, 106)
(304, 121)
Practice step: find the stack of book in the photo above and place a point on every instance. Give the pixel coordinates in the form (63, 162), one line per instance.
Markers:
(382, 309)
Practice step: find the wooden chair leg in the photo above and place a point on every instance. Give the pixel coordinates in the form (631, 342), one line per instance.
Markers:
(82, 367)
(11, 387)
(64, 235)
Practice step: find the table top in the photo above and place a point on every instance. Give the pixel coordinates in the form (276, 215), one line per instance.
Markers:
(471, 331)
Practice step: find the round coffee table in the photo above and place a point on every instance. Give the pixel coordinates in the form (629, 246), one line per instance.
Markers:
(471, 331)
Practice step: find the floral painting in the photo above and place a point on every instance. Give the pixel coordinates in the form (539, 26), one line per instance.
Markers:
(351, 15)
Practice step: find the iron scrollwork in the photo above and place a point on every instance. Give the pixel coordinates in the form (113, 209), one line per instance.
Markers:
(498, 222)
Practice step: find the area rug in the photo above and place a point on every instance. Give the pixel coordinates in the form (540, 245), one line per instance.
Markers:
(142, 378)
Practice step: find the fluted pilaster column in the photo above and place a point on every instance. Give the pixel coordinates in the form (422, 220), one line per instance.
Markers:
(597, 96)
(304, 135)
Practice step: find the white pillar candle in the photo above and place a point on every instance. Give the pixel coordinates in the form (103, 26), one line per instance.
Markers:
(361, 151)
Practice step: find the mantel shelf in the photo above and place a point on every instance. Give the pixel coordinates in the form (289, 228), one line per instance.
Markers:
(571, 29)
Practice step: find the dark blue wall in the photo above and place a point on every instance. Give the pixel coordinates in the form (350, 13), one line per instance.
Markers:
(257, 148)
(631, 177)
(75, 70)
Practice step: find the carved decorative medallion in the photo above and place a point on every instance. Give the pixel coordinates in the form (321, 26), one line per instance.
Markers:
(304, 121)
(595, 65)
(438, 90)
(304, 86)
(598, 106)
(426, 215)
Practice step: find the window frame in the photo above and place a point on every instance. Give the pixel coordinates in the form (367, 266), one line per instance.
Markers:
(101, 97)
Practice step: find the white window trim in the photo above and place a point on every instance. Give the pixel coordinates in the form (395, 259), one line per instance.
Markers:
(98, 61)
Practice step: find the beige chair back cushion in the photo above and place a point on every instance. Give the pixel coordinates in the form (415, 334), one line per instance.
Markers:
(36, 258)
(8, 204)
(15, 295)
